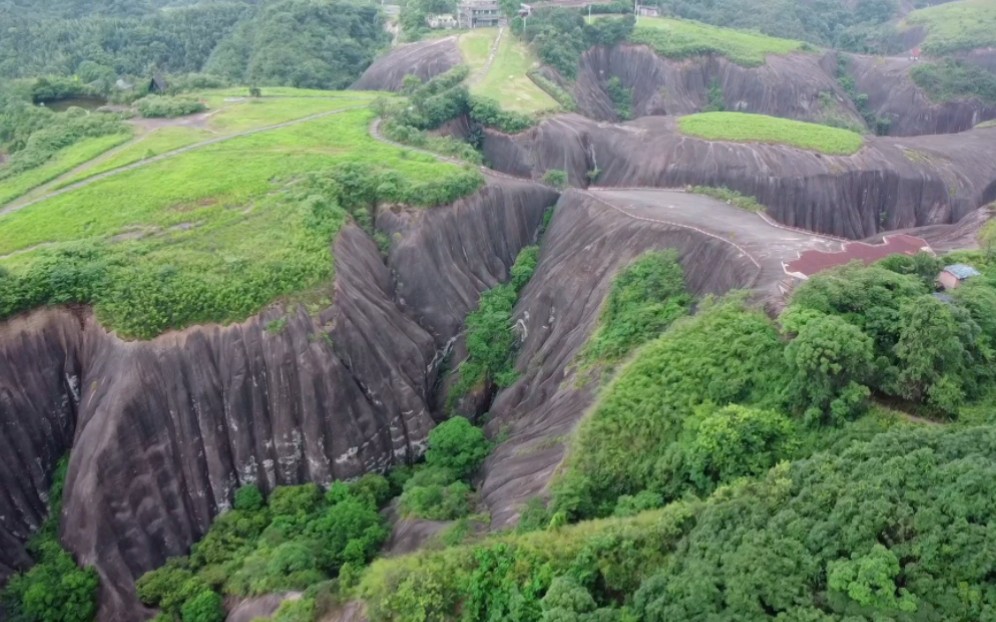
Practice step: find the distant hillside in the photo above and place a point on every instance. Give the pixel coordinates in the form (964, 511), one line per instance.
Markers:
(290, 42)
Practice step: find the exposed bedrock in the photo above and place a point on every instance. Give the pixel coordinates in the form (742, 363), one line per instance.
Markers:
(39, 394)
(425, 59)
(794, 86)
(165, 430)
(893, 95)
(891, 183)
(586, 245)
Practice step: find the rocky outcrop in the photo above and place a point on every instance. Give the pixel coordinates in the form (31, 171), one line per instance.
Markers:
(893, 95)
(891, 183)
(586, 245)
(166, 430)
(794, 86)
(425, 59)
(40, 372)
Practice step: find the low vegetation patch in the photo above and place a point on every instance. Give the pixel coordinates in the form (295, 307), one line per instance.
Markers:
(956, 26)
(678, 38)
(953, 80)
(646, 297)
(742, 127)
(297, 537)
(492, 343)
(156, 106)
(730, 197)
(55, 588)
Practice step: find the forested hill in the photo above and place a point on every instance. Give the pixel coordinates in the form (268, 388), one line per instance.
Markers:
(299, 43)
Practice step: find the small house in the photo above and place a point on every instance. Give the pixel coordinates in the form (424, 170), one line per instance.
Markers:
(479, 14)
(158, 84)
(954, 275)
(648, 11)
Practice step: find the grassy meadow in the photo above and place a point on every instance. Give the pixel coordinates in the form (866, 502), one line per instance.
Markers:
(956, 26)
(64, 161)
(506, 80)
(216, 233)
(679, 38)
(758, 128)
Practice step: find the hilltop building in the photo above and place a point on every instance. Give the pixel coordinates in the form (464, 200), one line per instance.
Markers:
(479, 14)
(444, 21)
(954, 275)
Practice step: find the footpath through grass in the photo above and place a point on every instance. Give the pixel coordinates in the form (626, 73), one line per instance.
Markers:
(215, 234)
(679, 38)
(742, 127)
(506, 80)
(956, 26)
(65, 160)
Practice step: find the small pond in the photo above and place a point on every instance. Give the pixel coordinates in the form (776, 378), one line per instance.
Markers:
(87, 103)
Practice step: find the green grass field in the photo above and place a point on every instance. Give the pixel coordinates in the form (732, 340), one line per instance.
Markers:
(506, 80)
(475, 45)
(214, 234)
(156, 142)
(956, 26)
(230, 112)
(64, 161)
(679, 38)
(758, 128)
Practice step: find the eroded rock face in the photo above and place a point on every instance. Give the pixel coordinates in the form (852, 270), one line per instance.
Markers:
(586, 246)
(794, 86)
(891, 183)
(893, 95)
(40, 373)
(166, 430)
(425, 59)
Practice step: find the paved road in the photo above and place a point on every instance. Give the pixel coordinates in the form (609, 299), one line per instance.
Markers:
(766, 244)
(16, 205)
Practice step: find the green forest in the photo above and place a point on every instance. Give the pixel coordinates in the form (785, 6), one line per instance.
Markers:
(109, 45)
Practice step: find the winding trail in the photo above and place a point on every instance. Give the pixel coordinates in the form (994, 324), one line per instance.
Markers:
(19, 205)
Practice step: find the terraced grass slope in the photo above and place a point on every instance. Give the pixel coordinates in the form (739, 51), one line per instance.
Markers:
(956, 26)
(505, 77)
(742, 127)
(679, 38)
(215, 233)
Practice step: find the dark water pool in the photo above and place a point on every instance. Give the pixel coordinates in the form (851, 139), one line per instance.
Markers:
(87, 103)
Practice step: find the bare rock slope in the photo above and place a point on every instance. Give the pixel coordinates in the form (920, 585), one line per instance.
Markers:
(425, 59)
(162, 432)
(891, 183)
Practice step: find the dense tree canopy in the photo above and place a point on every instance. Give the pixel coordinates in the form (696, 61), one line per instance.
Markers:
(285, 42)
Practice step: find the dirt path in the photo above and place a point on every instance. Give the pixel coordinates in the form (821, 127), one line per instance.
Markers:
(767, 244)
(19, 204)
(483, 72)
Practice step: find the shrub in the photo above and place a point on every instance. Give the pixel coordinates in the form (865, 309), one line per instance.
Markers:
(248, 498)
(645, 298)
(204, 607)
(55, 589)
(435, 494)
(457, 446)
(155, 106)
(953, 80)
(556, 178)
(730, 197)
(488, 113)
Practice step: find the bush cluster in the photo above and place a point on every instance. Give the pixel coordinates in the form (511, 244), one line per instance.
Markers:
(155, 106)
(440, 489)
(646, 297)
(55, 589)
(492, 344)
(298, 537)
